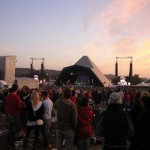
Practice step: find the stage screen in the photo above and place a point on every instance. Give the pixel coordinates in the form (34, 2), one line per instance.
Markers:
(83, 79)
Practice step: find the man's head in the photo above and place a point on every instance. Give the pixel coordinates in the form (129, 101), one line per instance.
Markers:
(45, 94)
(67, 93)
(14, 87)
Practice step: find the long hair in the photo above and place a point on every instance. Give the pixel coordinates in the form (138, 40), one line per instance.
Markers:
(35, 96)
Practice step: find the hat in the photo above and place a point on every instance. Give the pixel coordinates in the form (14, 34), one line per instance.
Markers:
(114, 98)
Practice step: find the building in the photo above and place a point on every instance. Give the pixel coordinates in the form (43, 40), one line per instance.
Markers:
(24, 81)
(83, 72)
(7, 69)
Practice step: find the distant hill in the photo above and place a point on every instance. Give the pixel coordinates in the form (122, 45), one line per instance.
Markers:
(20, 72)
(25, 72)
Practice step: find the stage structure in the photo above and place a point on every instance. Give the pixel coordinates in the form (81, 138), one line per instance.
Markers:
(42, 65)
(83, 73)
(130, 67)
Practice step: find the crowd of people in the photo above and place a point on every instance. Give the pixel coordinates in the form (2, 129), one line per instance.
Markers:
(119, 116)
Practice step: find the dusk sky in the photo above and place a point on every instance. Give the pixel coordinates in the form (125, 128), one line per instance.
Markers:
(62, 31)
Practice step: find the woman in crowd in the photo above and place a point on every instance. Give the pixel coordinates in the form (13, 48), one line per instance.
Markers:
(35, 111)
(84, 125)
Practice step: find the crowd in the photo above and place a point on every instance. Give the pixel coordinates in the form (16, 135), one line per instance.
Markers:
(120, 117)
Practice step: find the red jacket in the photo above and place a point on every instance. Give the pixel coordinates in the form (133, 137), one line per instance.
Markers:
(126, 97)
(13, 104)
(74, 99)
(84, 126)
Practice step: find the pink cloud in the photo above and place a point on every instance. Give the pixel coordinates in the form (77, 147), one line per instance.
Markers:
(140, 56)
(120, 12)
(5, 49)
(123, 46)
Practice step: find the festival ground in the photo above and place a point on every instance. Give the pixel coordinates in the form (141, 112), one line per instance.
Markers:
(4, 146)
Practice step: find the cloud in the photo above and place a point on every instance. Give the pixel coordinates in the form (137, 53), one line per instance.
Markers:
(5, 49)
(141, 61)
(120, 28)
(123, 29)
(141, 66)
(123, 46)
(143, 52)
(120, 12)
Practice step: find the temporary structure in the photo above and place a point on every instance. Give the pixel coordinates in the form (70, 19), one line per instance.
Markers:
(84, 71)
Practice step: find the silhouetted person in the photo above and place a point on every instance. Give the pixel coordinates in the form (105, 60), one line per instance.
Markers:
(115, 125)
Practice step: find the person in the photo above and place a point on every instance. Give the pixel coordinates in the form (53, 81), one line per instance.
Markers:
(66, 120)
(133, 98)
(74, 96)
(127, 98)
(35, 111)
(144, 126)
(25, 97)
(84, 126)
(114, 125)
(48, 108)
(13, 107)
(135, 114)
(2, 101)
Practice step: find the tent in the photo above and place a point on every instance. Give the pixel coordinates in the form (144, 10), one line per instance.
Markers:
(143, 84)
(83, 72)
(3, 84)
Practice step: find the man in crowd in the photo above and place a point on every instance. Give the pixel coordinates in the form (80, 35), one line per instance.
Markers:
(13, 107)
(25, 97)
(48, 107)
(66, 120)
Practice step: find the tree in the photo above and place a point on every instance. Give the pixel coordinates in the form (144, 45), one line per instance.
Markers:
(136, 79)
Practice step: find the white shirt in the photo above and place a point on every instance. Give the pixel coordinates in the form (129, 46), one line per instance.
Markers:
(48, 106)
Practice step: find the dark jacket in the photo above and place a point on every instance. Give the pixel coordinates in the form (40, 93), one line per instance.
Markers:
(115, 125)
(35, 115)
(144, 131)
(135, 114)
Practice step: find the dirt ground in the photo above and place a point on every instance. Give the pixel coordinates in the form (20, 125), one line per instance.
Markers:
(4, 146)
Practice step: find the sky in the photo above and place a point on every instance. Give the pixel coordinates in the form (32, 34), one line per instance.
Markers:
(62, 31)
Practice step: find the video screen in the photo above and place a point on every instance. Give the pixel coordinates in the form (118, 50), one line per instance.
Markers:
(83, 79)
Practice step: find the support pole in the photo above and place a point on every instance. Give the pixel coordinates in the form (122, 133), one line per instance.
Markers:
(31, 66)
(116, 68)
(42, 68)
(130, 71)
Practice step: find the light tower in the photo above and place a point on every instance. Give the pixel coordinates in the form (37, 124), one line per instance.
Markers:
(42, 65)
(130, 67)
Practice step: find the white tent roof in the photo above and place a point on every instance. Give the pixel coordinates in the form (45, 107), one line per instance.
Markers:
(3, 82)
(143, 84)
(85, 61)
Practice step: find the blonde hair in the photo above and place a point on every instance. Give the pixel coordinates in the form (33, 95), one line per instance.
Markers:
(35, 96)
